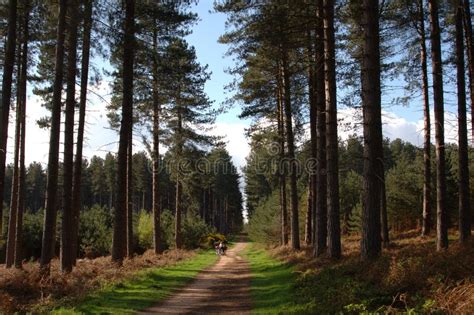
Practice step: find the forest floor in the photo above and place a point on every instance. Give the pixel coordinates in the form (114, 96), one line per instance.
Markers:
(410, 277)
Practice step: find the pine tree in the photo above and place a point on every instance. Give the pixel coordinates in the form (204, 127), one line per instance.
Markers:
(67, 223)
(49, 228)
(442, 224)
(464, 189)
(188, 106)
(373, 159)
(77, 177)
(334, 230)
(6, 95)
(119, 246)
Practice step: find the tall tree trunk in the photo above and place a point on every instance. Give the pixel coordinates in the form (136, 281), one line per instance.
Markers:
(67, 225)
(178, 214)
(441, 224)
(119, 245)
(130, 196)
(10, 250)
(177, 236)
(295, 234)
(6, 96)
(51, 207)
(383, 211)
(309, 219)
(282, 178)
(156, 150)
(332, 145)
(76, 194)
(373, 149)
(467, 22)
(320, 245)
(311, 225)
(464, 189)
(21, 183)
(426, 224)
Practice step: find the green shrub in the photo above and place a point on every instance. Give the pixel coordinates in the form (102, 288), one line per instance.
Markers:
(32, 233)
(194, 231)
(95, 232)
(145, 230)
(167, 229)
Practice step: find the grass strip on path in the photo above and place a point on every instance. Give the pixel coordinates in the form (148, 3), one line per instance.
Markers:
(272, 283)
(144, 289)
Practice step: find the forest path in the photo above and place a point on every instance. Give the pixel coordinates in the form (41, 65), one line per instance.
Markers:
(223, 288)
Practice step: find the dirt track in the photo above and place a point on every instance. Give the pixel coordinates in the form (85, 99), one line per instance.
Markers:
(223, 288)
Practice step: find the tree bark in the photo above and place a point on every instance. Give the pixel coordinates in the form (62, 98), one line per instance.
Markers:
(426, 225)
(156, 151)
(51, 207)
(295, 234)
(130, 195)
(383, 211)
(332, 144)
(178, 213)
(442, 224)
(313, 135)
(6, 96)
(309, 218)
(10, 250)
(76, 195)
(21, 183)
(320, 245)
(282, 172)
(119, 245)
(467, 22)
(178, 237)
(464, 189)
(67, 225)
(373, 158)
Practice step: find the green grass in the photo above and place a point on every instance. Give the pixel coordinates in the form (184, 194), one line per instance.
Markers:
(143, 290)
(272, 284)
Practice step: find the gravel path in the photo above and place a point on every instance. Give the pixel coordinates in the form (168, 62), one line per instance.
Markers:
(223, 288)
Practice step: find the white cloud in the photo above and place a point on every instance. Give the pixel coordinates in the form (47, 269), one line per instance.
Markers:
(394, 126)
(237, 143)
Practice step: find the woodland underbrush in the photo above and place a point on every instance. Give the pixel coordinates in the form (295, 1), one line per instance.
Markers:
(26, 290)
(410, 276)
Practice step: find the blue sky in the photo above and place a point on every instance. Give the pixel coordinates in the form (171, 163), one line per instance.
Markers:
(204, 38)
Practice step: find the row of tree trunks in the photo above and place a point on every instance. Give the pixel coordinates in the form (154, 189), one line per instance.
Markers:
(76, 195)
(426, 224)
(15, 223)
(68, 160)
